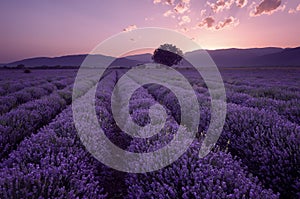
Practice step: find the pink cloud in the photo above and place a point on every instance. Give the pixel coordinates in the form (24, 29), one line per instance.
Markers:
(267, 7)
(207, 22)
(293, 11)
(169, 13)
(186, 1)
(130, 28)
(185, 20)
(220, 5)
(182, 7)
(166, 2)
(202, 12)
(230, 21)
(241, 3)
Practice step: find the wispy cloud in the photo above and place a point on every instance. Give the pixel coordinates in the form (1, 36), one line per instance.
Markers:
(220, 5)
(169, 13)
(267, 7)
(166, 2)
(130, 28)
(241, 3)
(202, 12)
(149, 18)
(210, 23)
(181, 8)
(185, 20)
(230, 21)
(294, 10)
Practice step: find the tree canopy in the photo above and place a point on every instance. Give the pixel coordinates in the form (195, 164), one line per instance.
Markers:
(167, 54)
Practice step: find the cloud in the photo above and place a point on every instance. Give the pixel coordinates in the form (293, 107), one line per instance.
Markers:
(182, 7)
(186, 1)
(202, 12)
(184, 29)
(169, 13)
(149, 18)
(220, 5)
(293, 11)
(169, 2)
(241, 3)
(230, 21)
(207, 22)
(166, 2)
(184, 20)
(267, 7)
(130, 28)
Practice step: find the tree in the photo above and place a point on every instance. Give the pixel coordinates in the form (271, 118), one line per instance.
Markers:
(167, 54)
(27, 70)
(20, 66)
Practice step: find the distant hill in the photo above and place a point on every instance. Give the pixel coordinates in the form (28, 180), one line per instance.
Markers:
(70, 60)
(145, 58)
(286, 57)
(74, 60)
(253, 57)
(257, 57)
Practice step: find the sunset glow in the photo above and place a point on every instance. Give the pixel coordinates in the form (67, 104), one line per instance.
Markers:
(54, 28)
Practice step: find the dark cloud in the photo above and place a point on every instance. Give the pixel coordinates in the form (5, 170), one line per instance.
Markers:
(266, 7)
(181, 8)
(231, 21)
(241, 3)
(207, 22)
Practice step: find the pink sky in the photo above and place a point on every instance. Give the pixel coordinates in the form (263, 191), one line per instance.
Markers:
(35, 28)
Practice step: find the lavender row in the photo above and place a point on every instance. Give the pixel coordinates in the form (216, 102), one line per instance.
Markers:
(54, 163)
(267, 144)
(29, 117)
(218, 175)
(8, 87)
(268, 92)
(265, 141)
(287, 135)
(190, 176)
(289, 109)
(11, 86)
(26, 119)
(12, 100)
(285, 79)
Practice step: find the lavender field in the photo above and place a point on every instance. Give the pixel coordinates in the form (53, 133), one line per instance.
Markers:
(256, 156)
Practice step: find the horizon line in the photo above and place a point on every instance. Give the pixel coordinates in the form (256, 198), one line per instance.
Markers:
(147, 52)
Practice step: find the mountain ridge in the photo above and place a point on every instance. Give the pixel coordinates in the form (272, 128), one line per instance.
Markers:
(232, 57)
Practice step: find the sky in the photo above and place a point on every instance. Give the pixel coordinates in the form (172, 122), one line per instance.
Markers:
(37, 28)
